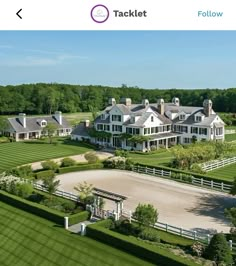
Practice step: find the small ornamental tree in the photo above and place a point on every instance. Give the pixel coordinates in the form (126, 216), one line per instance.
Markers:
(146, 215)
(218, 250)
(51, 184)
(85, 192)
(24, 190)
(50, 130)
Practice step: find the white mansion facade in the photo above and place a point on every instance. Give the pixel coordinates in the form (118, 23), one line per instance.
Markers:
(164, 124)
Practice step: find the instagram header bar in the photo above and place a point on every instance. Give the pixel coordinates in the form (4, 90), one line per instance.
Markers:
(118, 15)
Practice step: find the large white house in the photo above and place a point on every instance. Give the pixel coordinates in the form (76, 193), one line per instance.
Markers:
(25, 128)
(164, 124)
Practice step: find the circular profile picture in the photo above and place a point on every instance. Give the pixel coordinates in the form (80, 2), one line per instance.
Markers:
(99, 13)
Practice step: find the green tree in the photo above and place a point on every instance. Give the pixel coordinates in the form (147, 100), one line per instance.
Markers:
(50, 165)
(3, 125)
(24, 189)
(218, 250)
(66, 162)
(85, 191)
(50, 130)
(51, 184)
(145, 214)
(233, 189)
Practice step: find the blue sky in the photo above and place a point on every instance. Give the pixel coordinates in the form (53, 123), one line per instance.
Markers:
(148, 59)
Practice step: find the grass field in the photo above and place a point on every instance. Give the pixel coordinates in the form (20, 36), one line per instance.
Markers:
(224, 173)
(18, 153)
(29, 240)
(230, 137)
(160, 158)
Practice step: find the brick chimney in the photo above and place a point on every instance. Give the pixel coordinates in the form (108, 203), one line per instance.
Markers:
(207, 106)
(161, 106)
(145, 102)
(176, 101)
(112, 101)
(126, 101)
(58, 117)
(86, 123)
(22, 119)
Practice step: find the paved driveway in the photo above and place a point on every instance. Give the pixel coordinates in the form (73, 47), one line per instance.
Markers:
(178, 204)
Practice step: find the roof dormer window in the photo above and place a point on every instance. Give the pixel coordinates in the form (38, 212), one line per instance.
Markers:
(198, 118)
(182, 117)
(43, 123)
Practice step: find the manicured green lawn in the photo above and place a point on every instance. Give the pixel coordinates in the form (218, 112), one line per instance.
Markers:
(230, 137)
(18, 153)
(29, 240)
(224, 173)
(161, 158)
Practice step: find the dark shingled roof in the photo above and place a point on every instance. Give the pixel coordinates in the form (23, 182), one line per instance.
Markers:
(80, 130)
(32, 123)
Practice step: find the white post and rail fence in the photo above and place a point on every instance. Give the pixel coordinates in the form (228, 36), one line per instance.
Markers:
(182, 177)
(194, 235)
(212, 165)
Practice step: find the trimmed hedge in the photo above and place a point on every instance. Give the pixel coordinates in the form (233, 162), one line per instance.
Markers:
(79, 217)
(155, 254)
(80, 168)
(32, 207)
(44, 174)
(186, 173)
(41, 210)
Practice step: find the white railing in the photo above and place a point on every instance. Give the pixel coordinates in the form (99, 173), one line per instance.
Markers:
(60, 193)
(209, 166)
(191, 179)
(230, 131)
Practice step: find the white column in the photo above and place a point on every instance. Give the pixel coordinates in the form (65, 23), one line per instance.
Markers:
(83, 229)
(66, 222)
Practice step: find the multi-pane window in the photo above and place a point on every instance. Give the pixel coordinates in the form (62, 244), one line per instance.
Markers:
(182, 117)
(198, 118)
(203, 131)
(117, 128)
(187, 140)
(152, 119)
(219, 131)
(194, 130)
(99, 126)
(116, 118)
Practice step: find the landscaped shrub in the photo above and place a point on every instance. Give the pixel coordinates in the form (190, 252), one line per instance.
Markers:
(197, 249)
(121, 153)
(22, 171)
(91, 157)
(44, 174)
(79, 217)
(148, 234)
(156, 254)
(69, 206)
(50, 165)
(32, 207)
(67, 162)
(79, 168)
(24, 190)
(218, 250)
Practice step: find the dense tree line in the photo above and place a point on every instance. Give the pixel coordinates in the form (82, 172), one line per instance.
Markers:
(46, 98)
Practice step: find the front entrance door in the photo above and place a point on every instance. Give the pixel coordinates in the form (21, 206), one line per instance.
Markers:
(116, 141)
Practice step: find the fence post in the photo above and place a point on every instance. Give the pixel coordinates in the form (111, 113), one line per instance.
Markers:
(194, 235)
(181, 231)
(130, 217)
(170, 174)
(66, 222)
(83, 229)
(212, 184)
(162, 172)
(230, 244)
(201, 182)
(166, 227)
(153, 171)
(208, 239)
(222, 186)
(146, 169)
(138, 168)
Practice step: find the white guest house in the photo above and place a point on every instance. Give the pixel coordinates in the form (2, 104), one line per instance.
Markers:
(160, 125)
(25, 128)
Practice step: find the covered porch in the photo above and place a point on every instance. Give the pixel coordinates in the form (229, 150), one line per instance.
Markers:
(165, 140)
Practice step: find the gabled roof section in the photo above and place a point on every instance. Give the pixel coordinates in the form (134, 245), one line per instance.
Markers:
(80, 130)
(33, 125)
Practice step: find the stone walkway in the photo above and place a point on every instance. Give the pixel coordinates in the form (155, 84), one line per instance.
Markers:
(76, 228)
